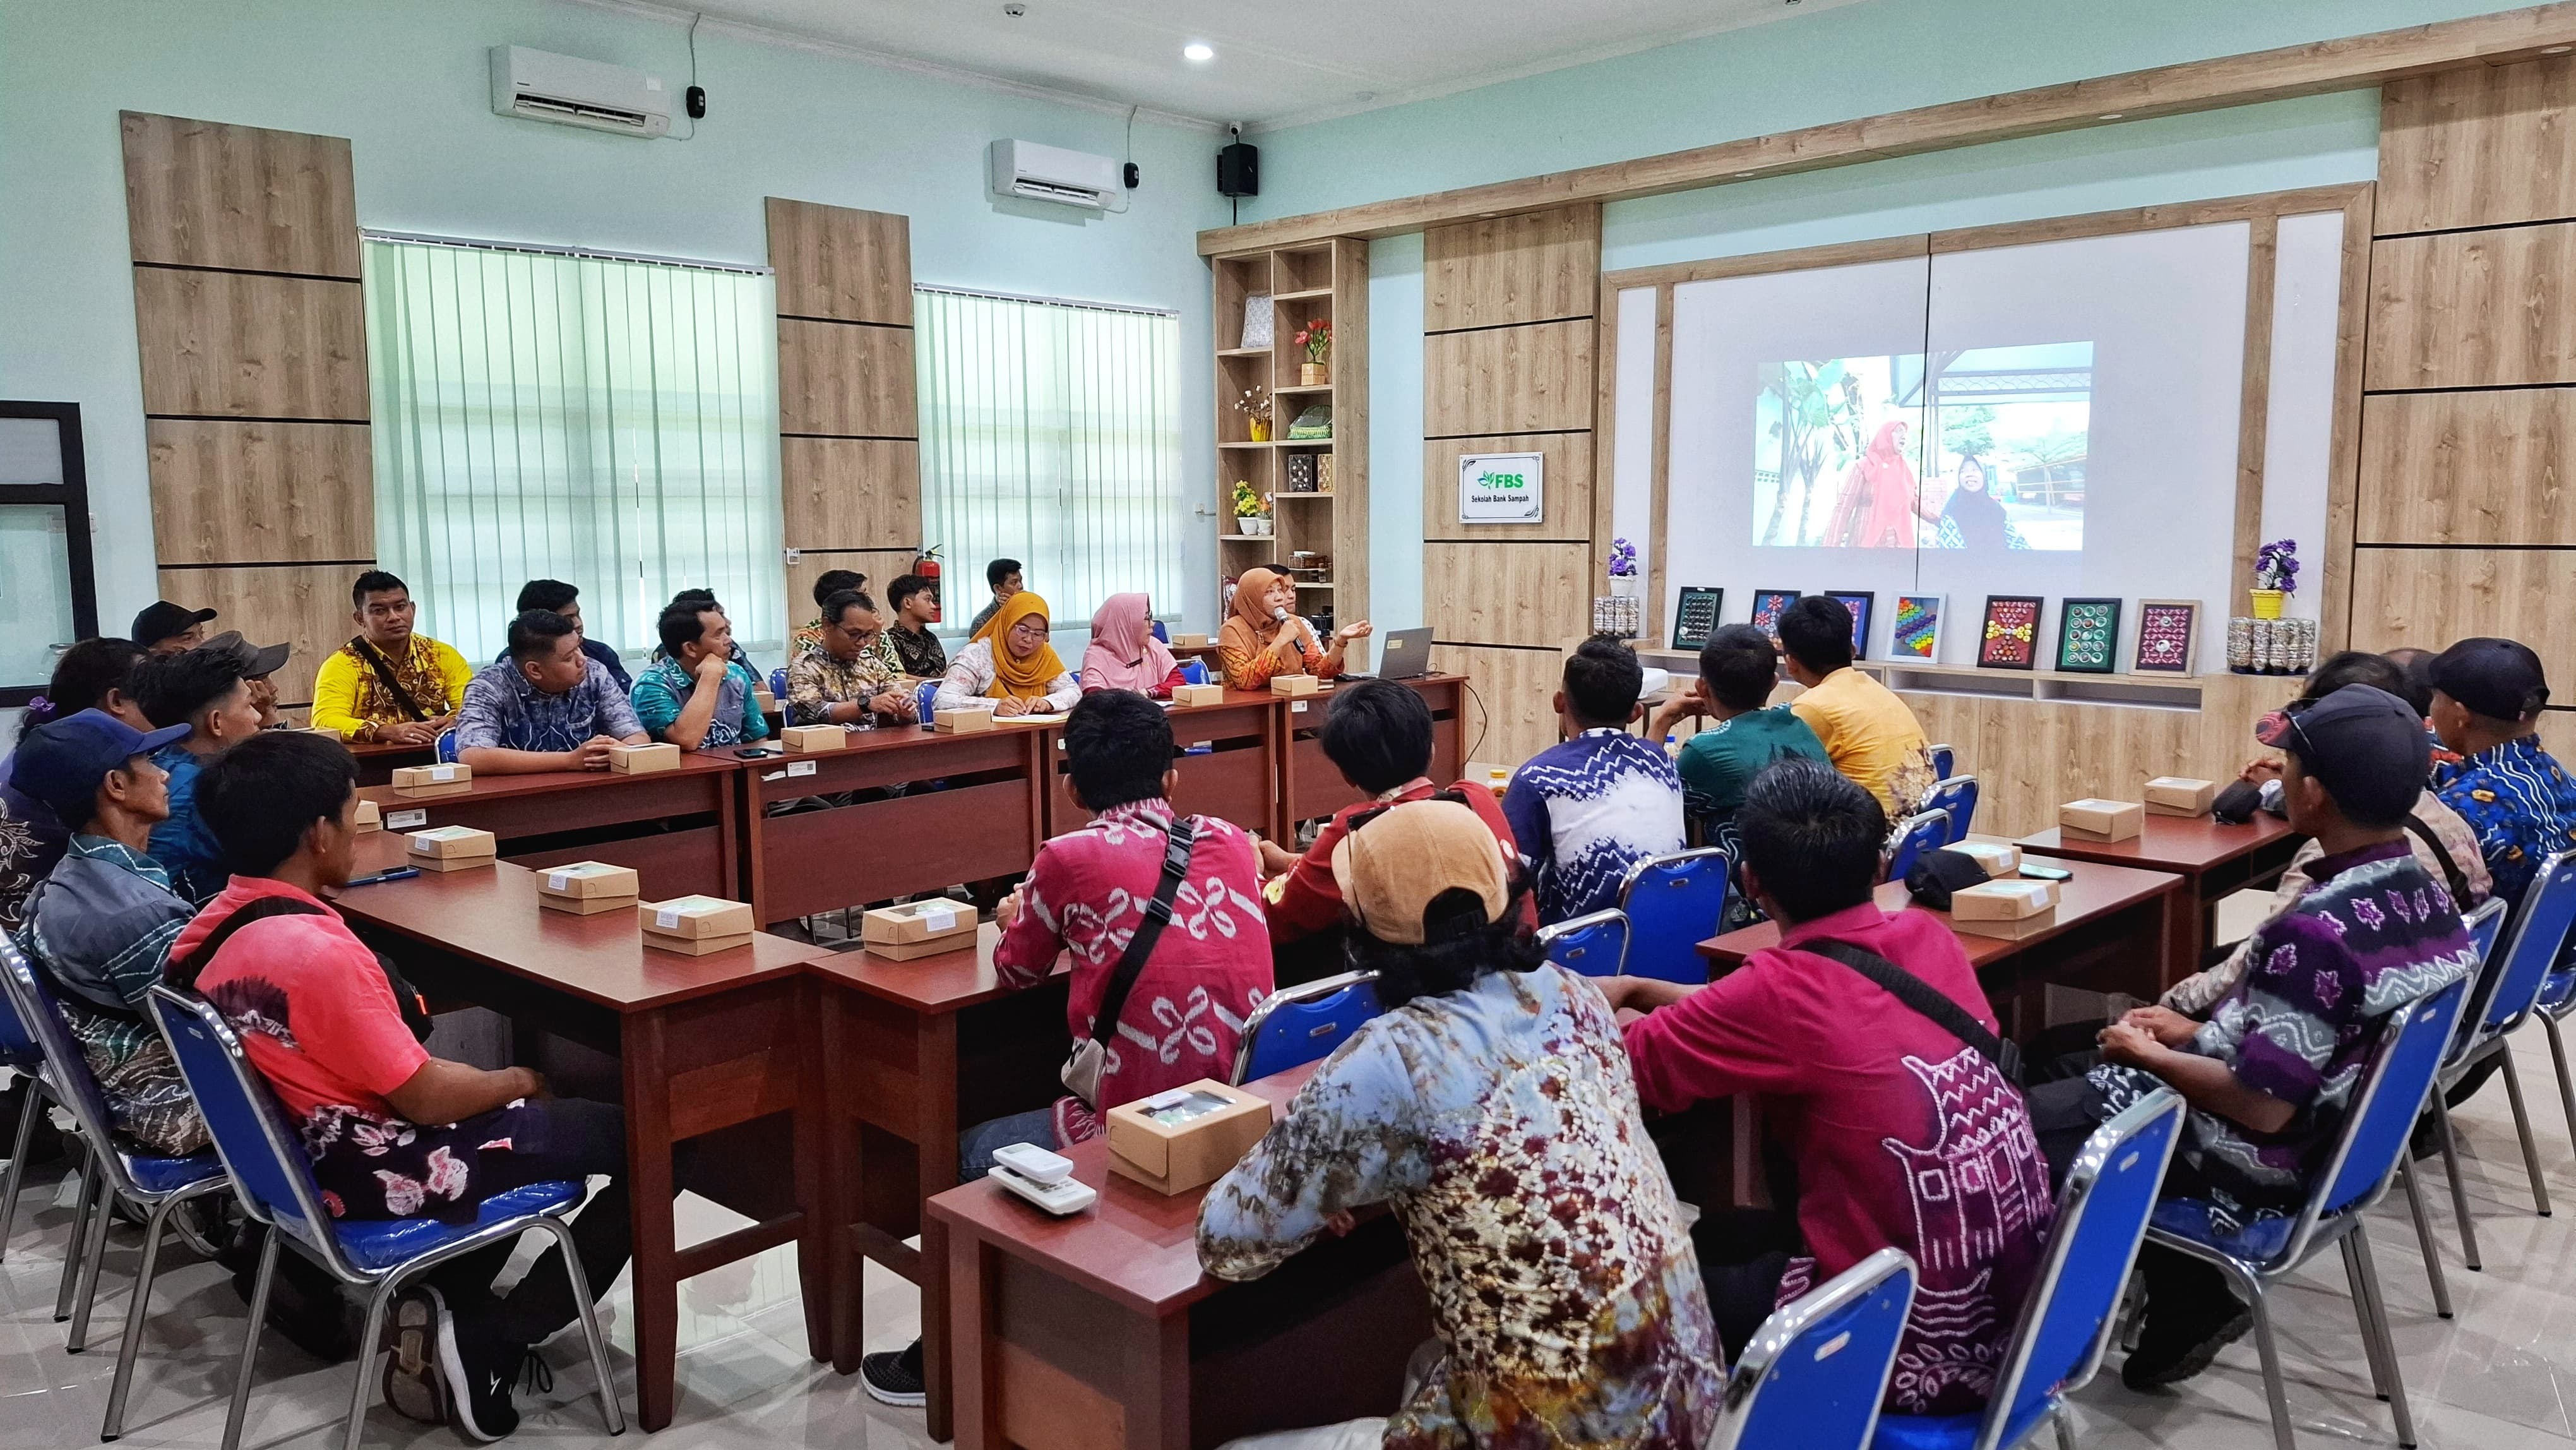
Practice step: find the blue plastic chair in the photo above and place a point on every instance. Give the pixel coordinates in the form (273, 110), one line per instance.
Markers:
(1593, 946)
(152, 1186)
(2067, 1322)
(2557, 1003)
(1161, 633)
(444, 751)
(269, 1171)
(1297, 1025)
(1194, 671)
(1815, 1373)
(778, 683)
(2357, 1175)
(1923, 831)
(1956, 794)
(1673, 903)
(20, 1054)
(1944, 759)
(921, 699)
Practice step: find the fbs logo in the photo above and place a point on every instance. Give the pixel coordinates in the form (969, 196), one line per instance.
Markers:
(1506, 480)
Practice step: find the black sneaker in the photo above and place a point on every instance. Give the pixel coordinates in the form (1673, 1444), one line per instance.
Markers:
(895, 1378)
(2170, 1354)
(479, 1365)
(415, 1387)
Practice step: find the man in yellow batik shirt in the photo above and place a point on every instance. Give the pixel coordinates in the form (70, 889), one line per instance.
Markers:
(389, 685)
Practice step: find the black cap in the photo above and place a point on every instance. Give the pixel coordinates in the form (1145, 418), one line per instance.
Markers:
(2364, 745)
(161, 619)
(2498, 678)
(257, 660)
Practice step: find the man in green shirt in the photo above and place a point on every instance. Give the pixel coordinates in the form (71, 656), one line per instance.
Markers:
(1737, 672)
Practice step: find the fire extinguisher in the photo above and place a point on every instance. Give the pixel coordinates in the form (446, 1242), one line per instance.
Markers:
(927, 566)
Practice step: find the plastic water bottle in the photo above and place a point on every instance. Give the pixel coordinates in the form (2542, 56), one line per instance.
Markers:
(1672, 746)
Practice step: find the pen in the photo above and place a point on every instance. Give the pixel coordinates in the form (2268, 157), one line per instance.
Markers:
(399, 873)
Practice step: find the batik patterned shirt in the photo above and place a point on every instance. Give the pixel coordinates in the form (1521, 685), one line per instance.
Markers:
(2374, 933)
(816, 682)
(503, 711)
(101, 927)
(2520, 801)
(31, 841)
(663, 691)
(922, 655)
(1586, 811)
(350, 696)
(1500, 1125)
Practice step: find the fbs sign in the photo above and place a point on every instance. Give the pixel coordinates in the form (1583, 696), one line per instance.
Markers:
(1502, 488)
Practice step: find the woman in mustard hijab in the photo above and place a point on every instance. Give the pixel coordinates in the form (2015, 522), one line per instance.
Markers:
(1264, 637)
(1010, 663)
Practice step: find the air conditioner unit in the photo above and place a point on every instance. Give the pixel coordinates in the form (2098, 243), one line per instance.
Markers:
(570, 91)
(1050, 173)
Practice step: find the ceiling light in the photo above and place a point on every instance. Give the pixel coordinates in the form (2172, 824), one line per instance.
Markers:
(2556, 49)
(1198, 50)
(2110, 115)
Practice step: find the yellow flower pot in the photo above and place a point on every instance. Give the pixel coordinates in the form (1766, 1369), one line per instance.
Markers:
(1260, 430)
(2267, 603)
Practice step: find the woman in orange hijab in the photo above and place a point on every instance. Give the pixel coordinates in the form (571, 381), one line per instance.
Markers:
(1879, 497)
(1264, 636)
(1010, 663)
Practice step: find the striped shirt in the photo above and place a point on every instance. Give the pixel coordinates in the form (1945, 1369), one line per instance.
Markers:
(101, 925)
(2520, 801)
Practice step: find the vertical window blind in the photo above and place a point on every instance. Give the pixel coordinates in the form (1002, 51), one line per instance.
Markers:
(1050, 433)
(611, 423)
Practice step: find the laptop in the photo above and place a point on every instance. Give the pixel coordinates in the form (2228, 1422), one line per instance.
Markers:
(1407, 656)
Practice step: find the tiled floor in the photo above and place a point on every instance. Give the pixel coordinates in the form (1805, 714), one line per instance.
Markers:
(2499, 1377)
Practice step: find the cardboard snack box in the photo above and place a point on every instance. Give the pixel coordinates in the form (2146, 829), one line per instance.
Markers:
(803, 739)
(585, 906)
(433, 780)
(451, 863)
(1190, 641)
(2094, 819)
(643, 759)
(454, 843)
(2009, 900)
(590, 881)
(961, 722)
(2028, 926)
(1998, 858)
(918, 929)
(2178, 795)
(700, 946)
(1198, 694)
(696, 917)
(1294, 685)
(371, 817)
(1185, 1137)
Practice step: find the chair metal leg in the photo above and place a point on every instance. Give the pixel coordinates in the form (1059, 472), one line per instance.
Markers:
(2065, 1418)
(2522, 1127)
(368, 1341)
(2424, 1235)
(2377, 1323)
(79, 1236)
(2369, 1341)
(2275, 1393)
(136, 1310)
(2459, 1189)
(250, 1340)
(17, 1176)
(2566, 1088)
(609, 1408)
(93, 1258)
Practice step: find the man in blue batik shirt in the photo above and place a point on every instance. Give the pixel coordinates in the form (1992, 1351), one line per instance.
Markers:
(2487, 697)
(1586, 811)
(548, 705)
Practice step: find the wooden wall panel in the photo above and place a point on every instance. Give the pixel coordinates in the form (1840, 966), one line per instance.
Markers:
(851, 493)
(2427, 598)
(1532, 595)
(1569, 487)
(1508, 717)
(2480, 146)
(1533, 267)
(251, 345)
(2468, 468)
(1508, 380)
(880, 565)
(260, 493)
(199, 194)
(305, 605)
(846, 381)
(840, 263)
(2473, 309)
(2558, 733)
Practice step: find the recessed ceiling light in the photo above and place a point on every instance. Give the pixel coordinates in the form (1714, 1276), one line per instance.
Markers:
(1198, 50)
(2556, 49)
(2111, 115)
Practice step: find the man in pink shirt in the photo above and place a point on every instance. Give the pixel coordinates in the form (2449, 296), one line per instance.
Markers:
(1903, 1132)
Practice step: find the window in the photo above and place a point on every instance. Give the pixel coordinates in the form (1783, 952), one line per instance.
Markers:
(48, 597)
(1050, 433)
(605, 421)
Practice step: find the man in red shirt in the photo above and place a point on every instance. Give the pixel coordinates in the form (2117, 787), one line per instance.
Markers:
(1902, 1133)
(1378, 735)
(391, 1131)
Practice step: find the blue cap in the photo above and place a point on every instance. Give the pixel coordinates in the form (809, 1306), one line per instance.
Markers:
(62, 761)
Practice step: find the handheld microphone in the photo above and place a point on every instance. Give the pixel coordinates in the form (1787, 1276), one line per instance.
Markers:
(1279, 614)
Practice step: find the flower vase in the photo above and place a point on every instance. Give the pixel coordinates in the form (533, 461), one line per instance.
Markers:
(1623, 586)
(2267, 603)
(1313, 374)
(1260, 430)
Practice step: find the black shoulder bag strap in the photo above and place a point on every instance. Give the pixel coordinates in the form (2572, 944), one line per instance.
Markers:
(182, 973)
(2450, 868)
(1158, 914)
(1920, 995)
(385, 676)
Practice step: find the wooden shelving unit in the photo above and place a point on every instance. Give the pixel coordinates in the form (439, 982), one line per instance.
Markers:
(1326, 279)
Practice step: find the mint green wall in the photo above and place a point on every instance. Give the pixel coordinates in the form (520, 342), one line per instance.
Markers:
(406, 82)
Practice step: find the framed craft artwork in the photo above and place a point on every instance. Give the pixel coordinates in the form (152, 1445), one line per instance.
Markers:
(1258, 328)
(2167, 629)
(1768, 606)
(2088, 636)
(2010, 638)
(1862, 604)
(1917, 631)
(1695, 617)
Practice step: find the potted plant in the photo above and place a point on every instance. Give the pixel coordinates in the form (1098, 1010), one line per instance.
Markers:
(1254, 405)
(2276, 577)
(1623, 568)
(1316, 338)
(1251, 510)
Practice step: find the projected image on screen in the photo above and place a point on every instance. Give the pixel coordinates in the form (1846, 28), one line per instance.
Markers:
(1859, 453)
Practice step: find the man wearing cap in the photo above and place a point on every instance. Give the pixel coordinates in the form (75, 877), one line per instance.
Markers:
(164, 628)
(258, 662)
(1491, 1110)
(102, 923)
(2487, 695)
(2269, 1076)
(203, 688)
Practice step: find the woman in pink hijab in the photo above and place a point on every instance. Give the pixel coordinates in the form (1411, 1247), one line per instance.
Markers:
(1124, 655)
(1880, 497)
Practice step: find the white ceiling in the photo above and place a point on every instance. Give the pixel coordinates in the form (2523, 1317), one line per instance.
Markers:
(1275, 64)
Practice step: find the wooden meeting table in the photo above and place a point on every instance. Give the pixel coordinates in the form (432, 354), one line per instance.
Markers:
(1310, 786)
(1235, 779)
(676, 827)
(2215, 861)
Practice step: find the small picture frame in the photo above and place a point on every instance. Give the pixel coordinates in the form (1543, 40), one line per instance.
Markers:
(1916, 634)
(2009, 639)
(1863, 605)
(1696, 616)
(1259, 327)
(2088, 636)
(1768, 606)
(2168, 631)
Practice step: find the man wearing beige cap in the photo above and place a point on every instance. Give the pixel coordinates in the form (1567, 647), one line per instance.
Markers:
(1490, 1108)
